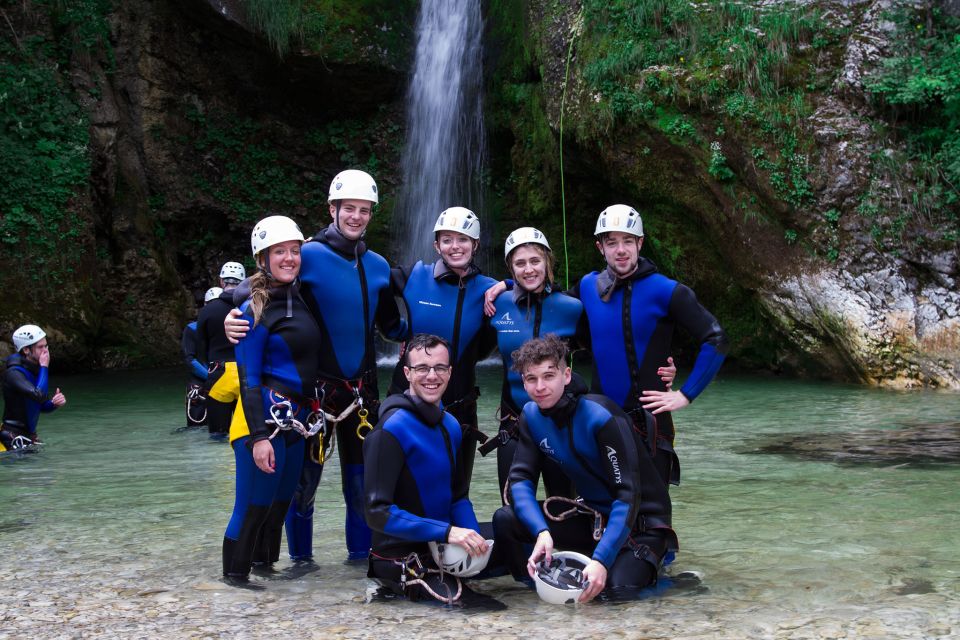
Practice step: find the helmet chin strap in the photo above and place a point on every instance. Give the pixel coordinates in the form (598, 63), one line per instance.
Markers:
(265, 267)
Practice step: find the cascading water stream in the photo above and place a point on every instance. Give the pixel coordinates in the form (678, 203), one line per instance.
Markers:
(445, 149)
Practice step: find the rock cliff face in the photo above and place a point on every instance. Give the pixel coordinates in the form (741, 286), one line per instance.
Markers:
(196, 128)
(808, 278)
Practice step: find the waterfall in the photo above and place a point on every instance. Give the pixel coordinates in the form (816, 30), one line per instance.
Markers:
(445, 149)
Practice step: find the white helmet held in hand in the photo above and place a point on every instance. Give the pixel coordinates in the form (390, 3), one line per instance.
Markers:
(619, 217)
(353, 184)
(233, 270)
(561, 582)
(524, 235)
(273, 230)
(460, 220)
(212, 293)
(455, 560)
(27, 335)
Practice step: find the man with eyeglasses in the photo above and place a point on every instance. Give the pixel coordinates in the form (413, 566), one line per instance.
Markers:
(416, 488)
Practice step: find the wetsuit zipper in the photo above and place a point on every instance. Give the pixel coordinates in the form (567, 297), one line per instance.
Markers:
(629, 347)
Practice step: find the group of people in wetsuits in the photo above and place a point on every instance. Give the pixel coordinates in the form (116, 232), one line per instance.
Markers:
(306, 366)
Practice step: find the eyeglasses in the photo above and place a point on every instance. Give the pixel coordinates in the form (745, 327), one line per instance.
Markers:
(422, 369)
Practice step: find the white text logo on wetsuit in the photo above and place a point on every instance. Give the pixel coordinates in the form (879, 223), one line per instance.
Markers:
(504, 321)
(612, 457)
(428, 303)
(546, 448)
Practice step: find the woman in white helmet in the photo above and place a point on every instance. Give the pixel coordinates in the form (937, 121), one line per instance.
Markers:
(25, 388)
(277, 362)
(445, 298)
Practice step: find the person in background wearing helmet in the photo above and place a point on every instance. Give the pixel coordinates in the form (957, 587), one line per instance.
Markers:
(25, 389)
(621, 494)
(416, 484)
(277, 364)
(196, 402)
(536, 307)
(213, 348)
(445, 298)
(631, 312)
(347, 289)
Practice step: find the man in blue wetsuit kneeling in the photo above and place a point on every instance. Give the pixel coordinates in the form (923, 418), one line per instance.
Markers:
(25, 389)
(416, 488)
(622, 518)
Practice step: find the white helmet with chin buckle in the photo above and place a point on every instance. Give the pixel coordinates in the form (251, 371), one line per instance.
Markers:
(619, 217)
(233, 270)
(455, 560)
(524, 235)
(353, 184)
(27, 335)
(273, 230)
(458, 220)
(212, 292)
(562, 581)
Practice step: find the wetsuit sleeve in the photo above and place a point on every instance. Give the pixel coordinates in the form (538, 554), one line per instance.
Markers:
(461, 509)
(188, 345)
(384, 461)
(620, 466)
(487, 340)
(19, 382)
(524, 473)
(704, 328)
(48, 406)
(398, 282)
(250, 356)
(389, 319)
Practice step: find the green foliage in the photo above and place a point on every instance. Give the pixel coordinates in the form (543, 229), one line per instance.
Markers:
(44, 162)
(718, 163)
(919, 84)
(281, 21)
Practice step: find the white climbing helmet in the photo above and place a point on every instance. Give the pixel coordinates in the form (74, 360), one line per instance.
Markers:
(233, 270)
(28, 334)
(212, 292)
(619, 217)
(273, 230)
(460, 220)
(353, 184)
(455, 560)
(523, 235)
(561, 582)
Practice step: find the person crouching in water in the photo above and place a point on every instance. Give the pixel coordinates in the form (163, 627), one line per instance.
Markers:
(416, 486)
(277, 366)
(25, 389)
(594, 442)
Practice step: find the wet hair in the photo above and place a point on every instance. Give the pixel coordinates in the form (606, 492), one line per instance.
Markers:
(425, 341)
(544, 253)
(538, 350)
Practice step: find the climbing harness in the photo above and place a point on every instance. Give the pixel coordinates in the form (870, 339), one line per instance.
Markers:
(578, 507)
(509, 427)
(195, 397)
(413, 573)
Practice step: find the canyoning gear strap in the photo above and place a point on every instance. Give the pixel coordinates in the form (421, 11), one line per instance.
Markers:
(509, 430)
(578, 507)
(195, 397)
(413, 573)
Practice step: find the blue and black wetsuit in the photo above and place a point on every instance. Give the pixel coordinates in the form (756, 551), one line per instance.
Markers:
(214, 349)
(196, 401)
(25, 397)
(442, 303)
(277, 362)
(416, 490)
(631, 323)
(520, 316)
(347, 289)
(595, 444)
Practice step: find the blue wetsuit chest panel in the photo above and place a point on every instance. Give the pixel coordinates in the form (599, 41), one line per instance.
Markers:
(24, 394)
(425, 452)
(557, 313)
(335, 287)
(620, 325)
(443, 308)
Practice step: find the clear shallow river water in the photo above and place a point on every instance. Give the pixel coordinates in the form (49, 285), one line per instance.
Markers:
(114, 530)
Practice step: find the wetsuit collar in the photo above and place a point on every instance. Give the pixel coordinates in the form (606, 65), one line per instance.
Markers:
(429, 414)
(523, 297)
(443, 272)
(562, 412)
(17, 360)
(331, 236)
(608, 282)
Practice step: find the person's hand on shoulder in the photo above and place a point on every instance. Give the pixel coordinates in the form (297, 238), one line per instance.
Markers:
(235, 327)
